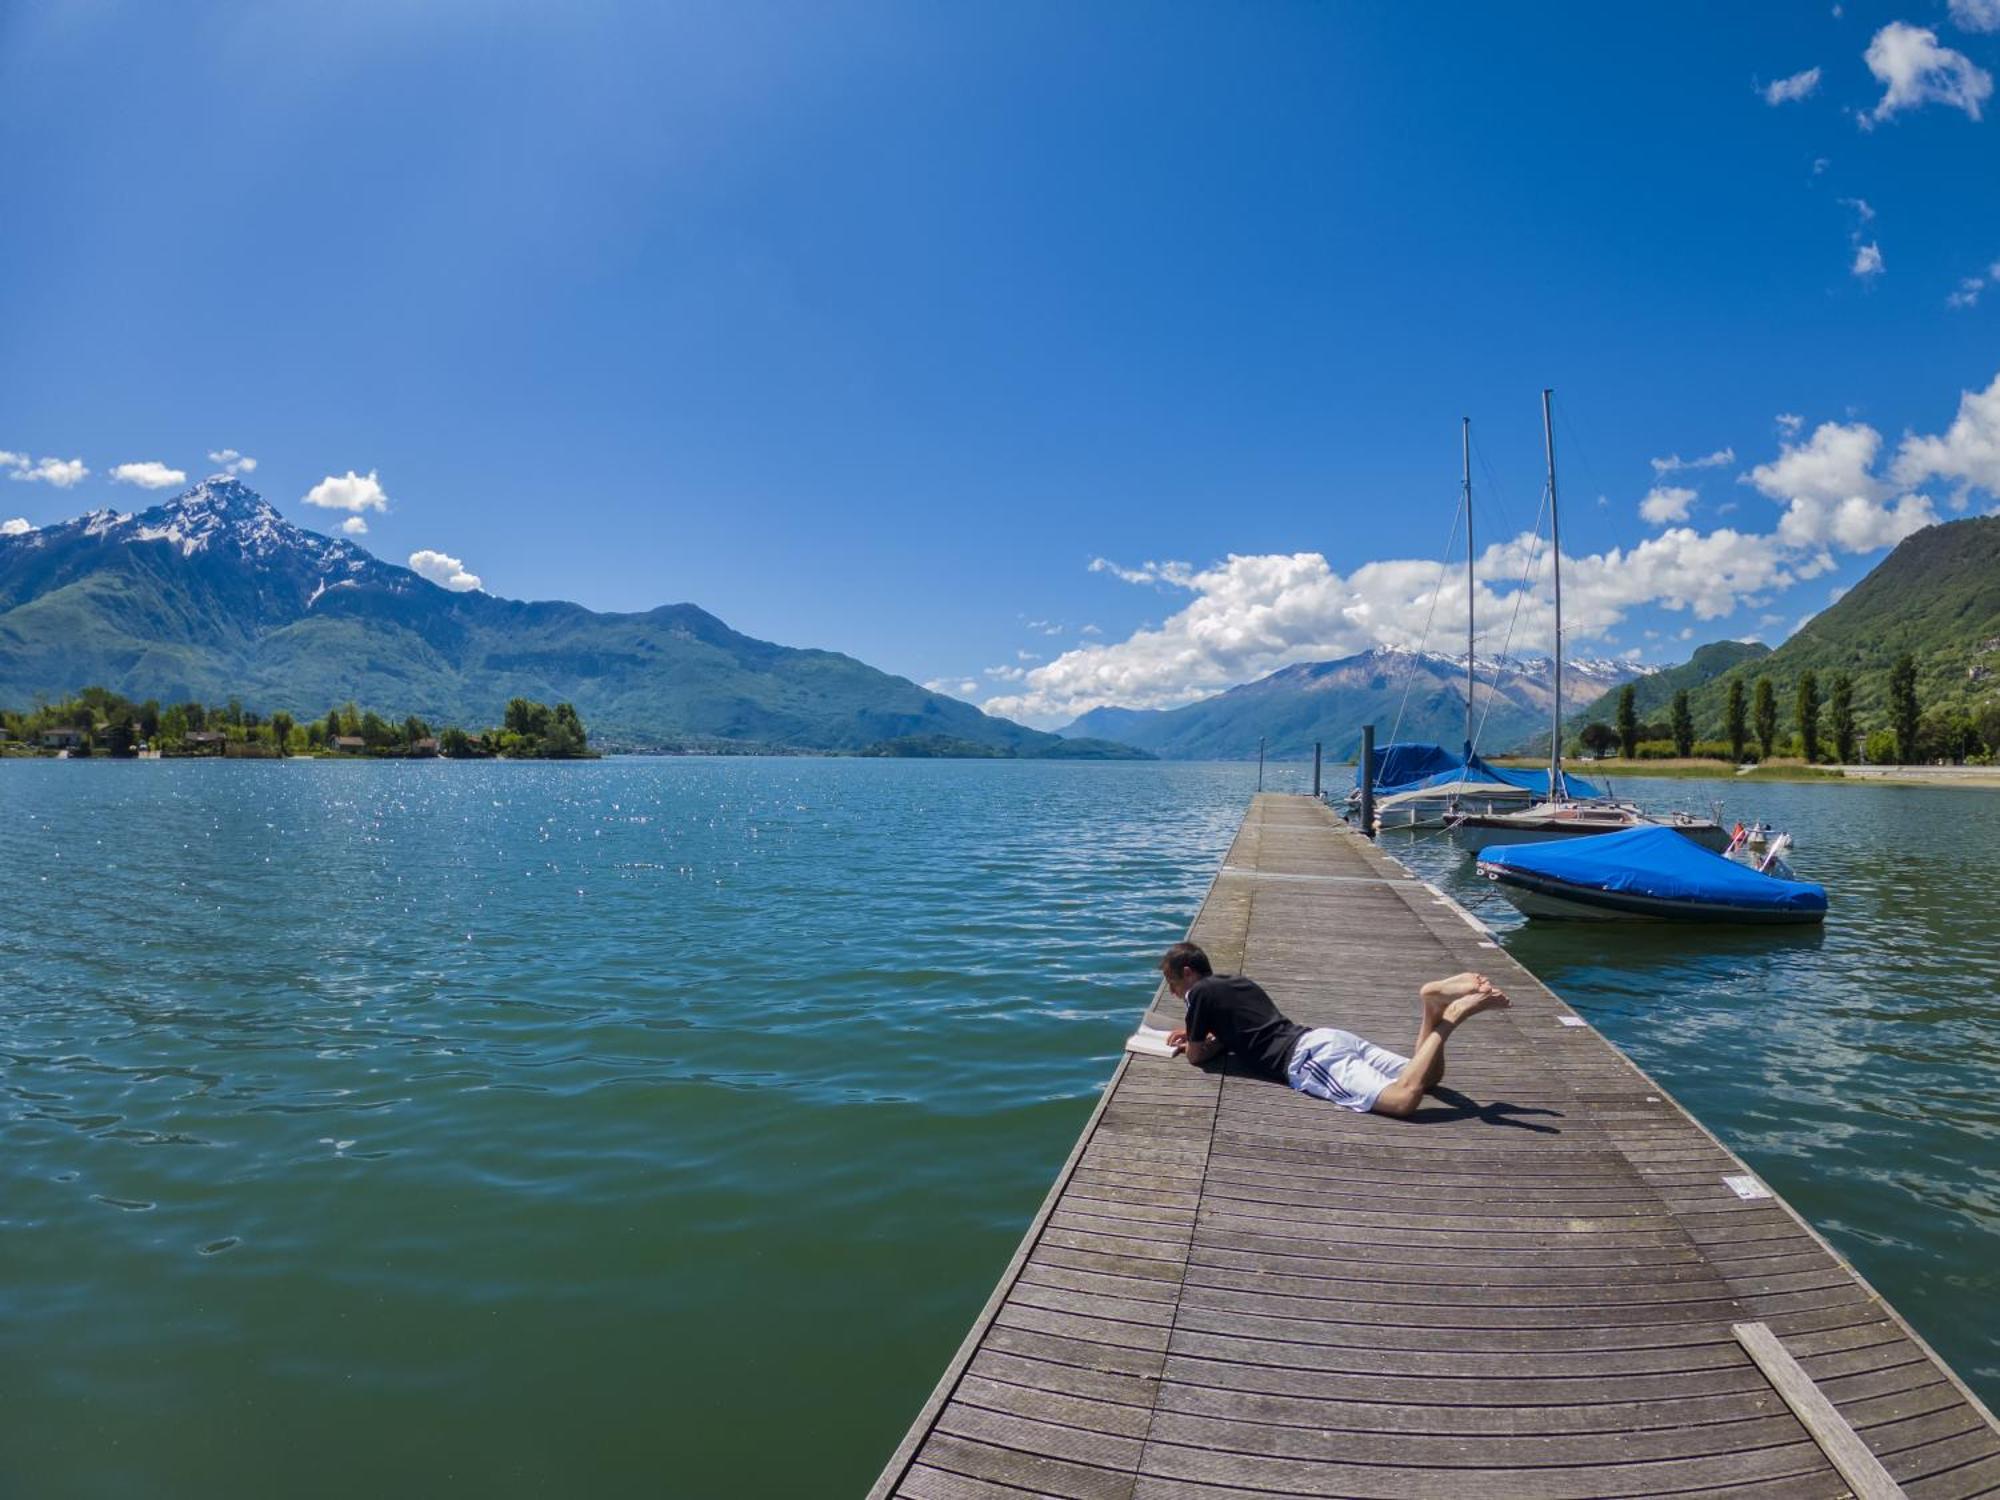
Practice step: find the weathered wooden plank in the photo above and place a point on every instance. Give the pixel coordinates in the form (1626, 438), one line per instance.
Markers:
(1601, 1480)
(1842, 1445)
(1458, 1420)
(1225, 1433)
(1038, 1474)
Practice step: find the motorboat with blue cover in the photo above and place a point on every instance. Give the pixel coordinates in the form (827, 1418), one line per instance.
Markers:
(1653, 874)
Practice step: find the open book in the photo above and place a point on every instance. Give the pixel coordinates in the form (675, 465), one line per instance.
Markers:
(1149, 1041)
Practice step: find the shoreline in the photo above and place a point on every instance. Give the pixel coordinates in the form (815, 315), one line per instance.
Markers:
(1985, 777)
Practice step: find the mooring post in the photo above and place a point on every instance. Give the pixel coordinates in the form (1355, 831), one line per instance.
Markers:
(1315, 768)
(1368, 780)
(1260, 762)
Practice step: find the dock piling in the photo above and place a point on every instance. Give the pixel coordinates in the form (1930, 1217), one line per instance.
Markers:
(1367, 769)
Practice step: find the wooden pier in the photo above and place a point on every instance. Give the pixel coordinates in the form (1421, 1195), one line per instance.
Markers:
(1547, 1285)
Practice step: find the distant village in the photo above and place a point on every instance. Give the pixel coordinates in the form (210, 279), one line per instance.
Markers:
(100, 722)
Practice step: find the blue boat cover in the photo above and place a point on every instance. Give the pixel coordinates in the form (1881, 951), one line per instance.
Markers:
(1657, 862)
(1411, 767)
(1408, 761)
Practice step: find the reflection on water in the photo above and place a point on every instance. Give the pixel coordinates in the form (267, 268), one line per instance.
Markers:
(1854, 1066)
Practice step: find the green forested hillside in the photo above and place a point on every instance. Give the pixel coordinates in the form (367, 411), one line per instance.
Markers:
(1936, 597)
(1652, 696)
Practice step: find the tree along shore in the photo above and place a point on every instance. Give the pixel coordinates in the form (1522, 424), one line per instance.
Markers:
(1819, 731)
(99, 722)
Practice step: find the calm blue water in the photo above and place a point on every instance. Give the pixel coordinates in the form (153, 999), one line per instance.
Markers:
(530, 1129)
(657, 1126)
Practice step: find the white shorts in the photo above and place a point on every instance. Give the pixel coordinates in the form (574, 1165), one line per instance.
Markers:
(1337, 1065)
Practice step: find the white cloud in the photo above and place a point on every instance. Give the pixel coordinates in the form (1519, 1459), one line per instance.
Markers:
(1868, 260)
(354, 526)
(1967, 452)
(1175, 574)
(1914, 71)
(1790, 423)
(1976, 15)
(1854, 524)
(1798, 86)
(63, 473)
(1969, 287)
(956, 687)
(1838, 461)
(229, 461)
(149, 475)
(445, 572)
(1665, 503)
(351, 491)
(1720, 458)
(1253, 614)
(1820, 164)
(1863, 212)
(1090, 630)
(15, 526)
(1026, 656)
(1832, 496)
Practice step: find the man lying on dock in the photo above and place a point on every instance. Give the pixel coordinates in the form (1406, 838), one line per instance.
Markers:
(1228, 1013)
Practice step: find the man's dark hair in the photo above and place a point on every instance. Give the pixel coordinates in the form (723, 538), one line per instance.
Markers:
(1184, 956)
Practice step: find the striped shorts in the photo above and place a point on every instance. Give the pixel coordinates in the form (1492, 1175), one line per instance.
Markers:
(1337, 1065)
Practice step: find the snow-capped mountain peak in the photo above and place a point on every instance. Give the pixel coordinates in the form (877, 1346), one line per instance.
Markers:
(217, 509)
(228, 530)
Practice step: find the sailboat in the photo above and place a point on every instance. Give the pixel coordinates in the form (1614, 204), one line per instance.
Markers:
(1470, 785)
(1561, 814)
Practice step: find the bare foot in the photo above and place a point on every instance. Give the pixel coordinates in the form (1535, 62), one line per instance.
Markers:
(1466, 1006)
(1450, 989)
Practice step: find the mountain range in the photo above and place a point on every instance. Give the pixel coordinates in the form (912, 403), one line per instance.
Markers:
(214, 595)
(1415, 695)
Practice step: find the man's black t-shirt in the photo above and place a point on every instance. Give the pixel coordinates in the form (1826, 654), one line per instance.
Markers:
(1244, 1020)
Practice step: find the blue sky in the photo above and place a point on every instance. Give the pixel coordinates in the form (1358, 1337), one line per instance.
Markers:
(875, 326)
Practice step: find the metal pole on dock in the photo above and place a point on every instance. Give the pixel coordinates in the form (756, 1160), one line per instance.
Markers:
(1315, 768)
(1368, 781)
(1260, 762)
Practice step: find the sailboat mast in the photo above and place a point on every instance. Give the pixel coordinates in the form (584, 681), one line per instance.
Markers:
(1556, 547)
(1465, 442)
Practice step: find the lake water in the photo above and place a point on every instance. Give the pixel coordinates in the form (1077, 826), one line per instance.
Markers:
(658, 1126)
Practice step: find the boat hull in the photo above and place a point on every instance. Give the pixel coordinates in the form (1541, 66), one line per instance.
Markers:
(1474, 837)
(1560, 900)
(1435, 809)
